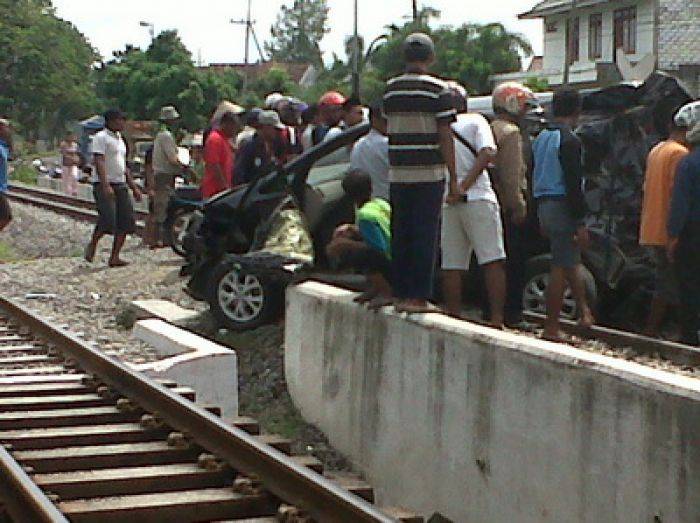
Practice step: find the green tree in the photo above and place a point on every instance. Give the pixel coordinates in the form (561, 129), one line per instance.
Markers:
(469, 54)
(298, 31)
(45, 68)
(141, 82)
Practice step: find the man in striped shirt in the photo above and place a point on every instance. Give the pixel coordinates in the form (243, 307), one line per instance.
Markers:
(419, 112)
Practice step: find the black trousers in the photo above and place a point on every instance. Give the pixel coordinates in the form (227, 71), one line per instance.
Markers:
(516, 251)
(415, 233)
(688, 271)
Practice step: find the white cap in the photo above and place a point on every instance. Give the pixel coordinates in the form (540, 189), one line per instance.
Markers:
(273, 99)
(688, 116)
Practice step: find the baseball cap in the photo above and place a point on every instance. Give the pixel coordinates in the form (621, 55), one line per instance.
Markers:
(332, 98)
(418, 46)
(688, 116)
(270, 118)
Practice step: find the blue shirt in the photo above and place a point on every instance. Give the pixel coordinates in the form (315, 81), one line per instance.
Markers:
(548, 176)
(4, 158)
(685, 202)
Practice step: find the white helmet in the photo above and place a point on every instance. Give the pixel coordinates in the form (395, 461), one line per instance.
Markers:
(688, 116)
(273, 99)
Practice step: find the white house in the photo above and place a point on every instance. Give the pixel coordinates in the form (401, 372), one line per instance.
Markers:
(612, 40)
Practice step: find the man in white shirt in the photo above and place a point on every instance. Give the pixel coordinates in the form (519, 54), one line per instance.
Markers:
(474, 224)
(111, 182)
(371, 154)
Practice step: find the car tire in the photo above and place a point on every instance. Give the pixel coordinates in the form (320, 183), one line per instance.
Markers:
(534, 294)
(242, 300)
(176, 228)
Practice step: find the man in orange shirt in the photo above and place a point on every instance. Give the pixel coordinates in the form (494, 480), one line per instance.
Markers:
(658, 187)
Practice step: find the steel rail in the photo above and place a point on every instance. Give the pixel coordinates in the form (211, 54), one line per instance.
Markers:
(293, 483)
(675, 352)
(22, 498)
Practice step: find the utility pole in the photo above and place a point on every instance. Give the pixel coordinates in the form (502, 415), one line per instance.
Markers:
(567, 41)
(248, 26)
(415, 11)
(356, 58)
(151, 28)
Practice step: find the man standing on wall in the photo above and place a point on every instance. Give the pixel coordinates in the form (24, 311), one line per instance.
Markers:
(419, 112)
(111, 182)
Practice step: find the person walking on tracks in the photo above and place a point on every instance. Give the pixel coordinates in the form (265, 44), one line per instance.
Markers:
(474, 223)
(111, 182)
(684, 226)
(5, 148)
(561, 208)
(419, 112)
(658, 187)
(166, 166)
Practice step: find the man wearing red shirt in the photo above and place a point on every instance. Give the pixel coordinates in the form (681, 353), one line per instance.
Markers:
(218, 156)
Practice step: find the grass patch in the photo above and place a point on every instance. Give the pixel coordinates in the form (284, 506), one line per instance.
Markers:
(7, 253)
(24, 173)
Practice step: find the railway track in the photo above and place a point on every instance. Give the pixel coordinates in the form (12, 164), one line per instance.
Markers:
(678, 353)
(87, 439)
(76, 208)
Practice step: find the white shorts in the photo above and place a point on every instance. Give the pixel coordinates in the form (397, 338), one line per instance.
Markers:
(471, 227)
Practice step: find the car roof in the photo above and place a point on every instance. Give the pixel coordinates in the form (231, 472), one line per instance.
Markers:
(304, 161)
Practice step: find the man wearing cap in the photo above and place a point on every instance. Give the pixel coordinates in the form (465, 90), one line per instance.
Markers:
(263, 151)
(330, 109)
(111, 182)
(218, 155)
(419, 112)
(166, 165)
(5, 147)
(684, 225)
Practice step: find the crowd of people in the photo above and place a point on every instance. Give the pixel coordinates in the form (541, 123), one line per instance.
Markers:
(433, 184)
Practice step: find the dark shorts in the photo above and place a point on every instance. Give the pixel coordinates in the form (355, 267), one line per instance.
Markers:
(5, 210)
(366, 260)
(560, 229)
(666, 279)
(116, 215)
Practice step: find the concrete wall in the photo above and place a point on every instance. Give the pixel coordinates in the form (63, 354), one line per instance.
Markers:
(486, 426)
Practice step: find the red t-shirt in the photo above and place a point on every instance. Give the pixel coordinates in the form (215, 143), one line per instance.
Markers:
(217, 151)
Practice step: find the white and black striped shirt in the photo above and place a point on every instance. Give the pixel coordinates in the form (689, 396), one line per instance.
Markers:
(415, 105)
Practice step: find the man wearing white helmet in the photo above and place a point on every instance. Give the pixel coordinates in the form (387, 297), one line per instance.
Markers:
(658, 186)
(684, 225)
(511, 101)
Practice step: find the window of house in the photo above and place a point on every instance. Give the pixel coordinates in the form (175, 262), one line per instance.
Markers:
(574, 39)
(595, 36)
(626, 30)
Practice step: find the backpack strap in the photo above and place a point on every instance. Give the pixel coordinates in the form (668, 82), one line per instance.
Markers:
(464, 142)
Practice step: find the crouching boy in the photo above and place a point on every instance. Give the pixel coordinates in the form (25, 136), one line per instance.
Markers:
(365, 246)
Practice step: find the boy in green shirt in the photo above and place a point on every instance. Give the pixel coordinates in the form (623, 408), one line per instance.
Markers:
(366, 245)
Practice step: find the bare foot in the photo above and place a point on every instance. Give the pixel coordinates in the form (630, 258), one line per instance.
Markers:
(118, 263)
(417, 307)
(379, 301)
(554, 335)
(586, 319)
(365, 297)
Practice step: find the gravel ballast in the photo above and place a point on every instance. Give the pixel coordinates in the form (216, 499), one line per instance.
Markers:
(45, 272)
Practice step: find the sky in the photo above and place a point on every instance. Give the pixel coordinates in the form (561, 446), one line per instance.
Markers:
(206, 30)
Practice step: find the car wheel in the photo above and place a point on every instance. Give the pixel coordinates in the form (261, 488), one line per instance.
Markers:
(242, 300)
(535, 292)
(177, 229)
